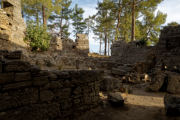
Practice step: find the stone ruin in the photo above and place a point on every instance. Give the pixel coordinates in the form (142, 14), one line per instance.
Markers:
(28, 93)
(12, 26)
(31, 93)
(167, 69)
(69, 47)
(82, 43)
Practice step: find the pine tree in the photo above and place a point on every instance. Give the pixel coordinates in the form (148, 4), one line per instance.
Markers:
(40, 10)
(78, 21)
(61, 17)
(105, 23)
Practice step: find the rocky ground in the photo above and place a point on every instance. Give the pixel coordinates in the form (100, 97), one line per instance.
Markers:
(139, 105)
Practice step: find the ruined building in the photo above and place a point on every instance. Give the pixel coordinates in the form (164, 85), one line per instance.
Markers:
(12, 26)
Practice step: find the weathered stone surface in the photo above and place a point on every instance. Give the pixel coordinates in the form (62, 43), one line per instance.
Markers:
(34, 112)
(82, 43)
(173, 83)
(56, 44)
(17, 66)
(158, 82)
(109, 84)
(26, 76)
(116, 99)
(1, 67)
(12, 26)
(40, 81)
(18, 85)
(63, 93)
(172, 104)
(6, 78)
(46, 96)
(30, 93)
(18, 98)
(14, 55)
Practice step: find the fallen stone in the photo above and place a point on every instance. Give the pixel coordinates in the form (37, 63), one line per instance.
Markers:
(115, 99)
(172, 105)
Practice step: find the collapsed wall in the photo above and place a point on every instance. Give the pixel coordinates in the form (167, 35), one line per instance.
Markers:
(27, 92)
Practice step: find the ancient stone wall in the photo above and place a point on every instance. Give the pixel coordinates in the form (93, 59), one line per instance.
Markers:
(167, 70)
(168, 48)
(12, 25)
(56, 44)
(129, 53)
(29, 93)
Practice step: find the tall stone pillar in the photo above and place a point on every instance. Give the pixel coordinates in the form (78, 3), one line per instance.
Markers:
(12, 8)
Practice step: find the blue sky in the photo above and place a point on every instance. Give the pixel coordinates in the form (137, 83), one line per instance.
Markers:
(170, 7)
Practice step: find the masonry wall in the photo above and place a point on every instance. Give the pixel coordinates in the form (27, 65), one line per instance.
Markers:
(129, 53)
(27, 93)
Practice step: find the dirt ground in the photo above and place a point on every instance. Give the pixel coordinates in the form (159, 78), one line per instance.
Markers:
(140, 105)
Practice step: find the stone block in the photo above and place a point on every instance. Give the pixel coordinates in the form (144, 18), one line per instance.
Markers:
(40, 81)
(46, 96)
(173, 83)
(53, 85)
(26, 76)
(18, 98)
(115, 99)
(13, 55)
(6, 78)
(1, 67)
(34, 112)
(77, 91)
(63, 93)
(15, 86)
(66, 104)
(17, 66)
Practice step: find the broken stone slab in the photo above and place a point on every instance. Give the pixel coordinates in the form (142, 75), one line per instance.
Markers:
(172, 105)
(115, 99)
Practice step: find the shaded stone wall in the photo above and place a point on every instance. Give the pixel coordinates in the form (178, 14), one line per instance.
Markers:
(29, 93)
(168, 48)
(166, 74)
(129, 53)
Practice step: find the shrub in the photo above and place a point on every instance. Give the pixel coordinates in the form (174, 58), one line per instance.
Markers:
(37, 36)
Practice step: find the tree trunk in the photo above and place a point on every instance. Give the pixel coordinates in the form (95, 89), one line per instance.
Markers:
(44, 15)
(61, 27)
(100, 45)
(108, 47)
(105, 44)
(118, 24)
(133, 21)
